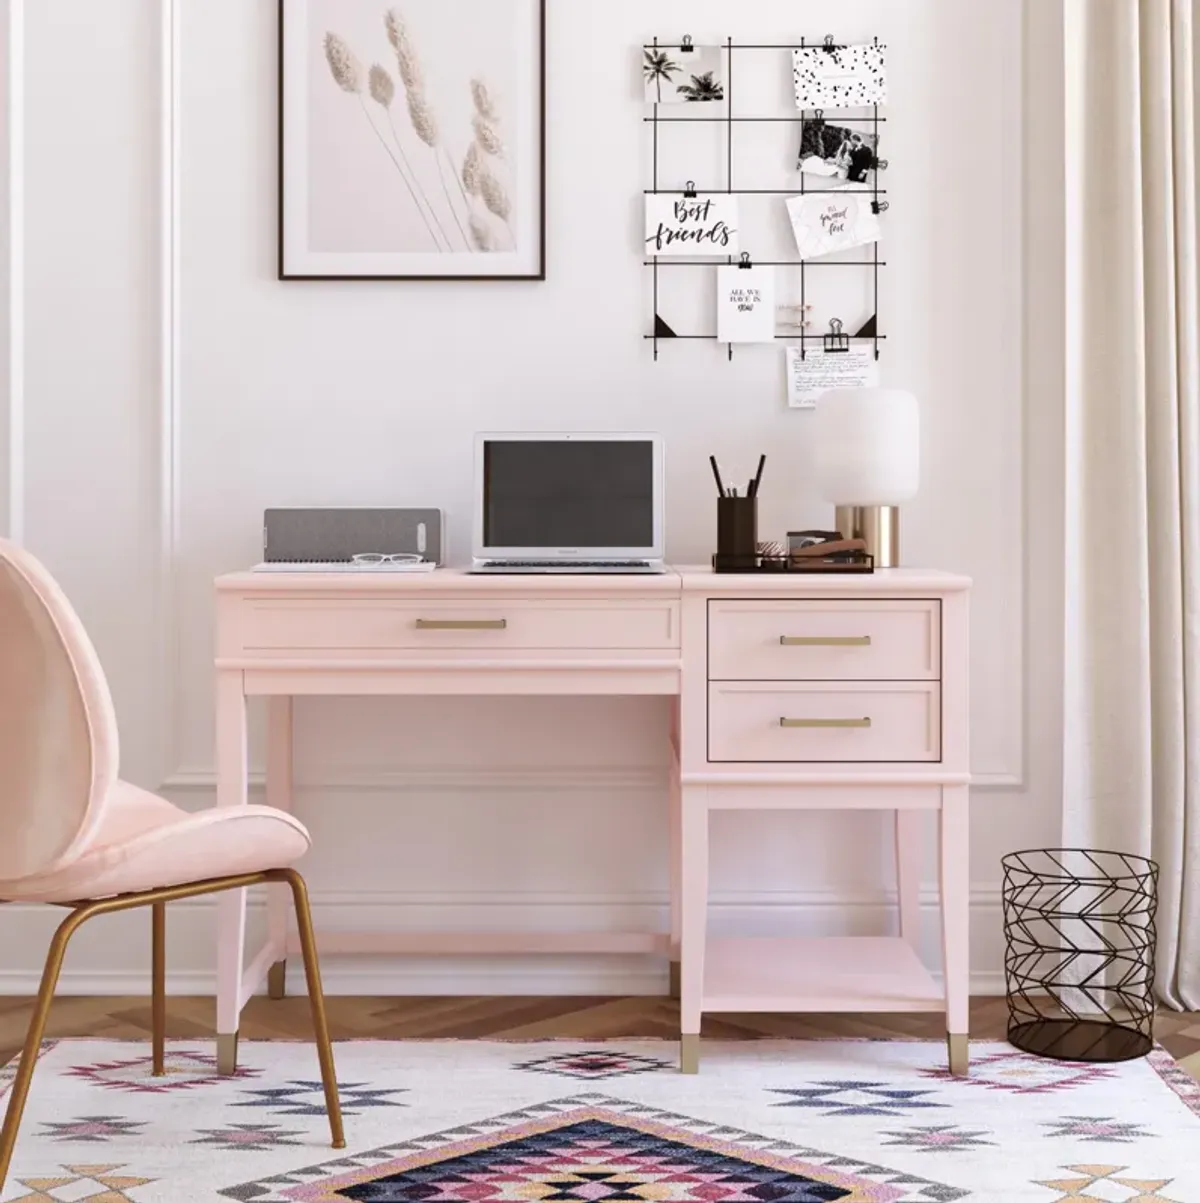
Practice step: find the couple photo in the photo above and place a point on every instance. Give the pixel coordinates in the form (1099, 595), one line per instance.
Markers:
(839, 153)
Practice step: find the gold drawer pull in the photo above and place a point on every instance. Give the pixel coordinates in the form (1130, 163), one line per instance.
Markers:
(462, 624)
(825, 640)
(824, 724)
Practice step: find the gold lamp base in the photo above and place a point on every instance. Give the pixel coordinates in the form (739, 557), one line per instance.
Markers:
(877, 525)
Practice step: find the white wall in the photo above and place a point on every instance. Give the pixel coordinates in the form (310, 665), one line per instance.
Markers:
(154, 440)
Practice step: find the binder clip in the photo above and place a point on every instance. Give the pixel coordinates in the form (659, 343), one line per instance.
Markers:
(746, 263)
(878, 207)
(830, 46)
(689, 192)
(836, 341)
(685, 44)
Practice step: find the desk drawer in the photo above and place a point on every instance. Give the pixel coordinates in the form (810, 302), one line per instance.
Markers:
(354, 624)
(824, 640)
(834, 722)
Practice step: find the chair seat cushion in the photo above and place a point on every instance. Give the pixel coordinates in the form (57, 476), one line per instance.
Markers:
(146, 843)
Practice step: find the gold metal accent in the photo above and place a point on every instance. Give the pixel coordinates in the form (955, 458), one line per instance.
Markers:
(82, 911)
(227, 1054)
(158, 987)
(877, 525)
(959, 1048)
(277, 980)
(462, 624)
(825, 724)
(689, 1054)
(825, 640)
(675, 988)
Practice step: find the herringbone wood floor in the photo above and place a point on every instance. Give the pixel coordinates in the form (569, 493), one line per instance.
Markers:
(506, 1018)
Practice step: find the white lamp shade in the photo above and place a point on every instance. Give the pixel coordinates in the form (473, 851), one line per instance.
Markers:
(868, 446)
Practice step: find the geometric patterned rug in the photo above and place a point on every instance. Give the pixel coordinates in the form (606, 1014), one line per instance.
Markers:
(607, 1122)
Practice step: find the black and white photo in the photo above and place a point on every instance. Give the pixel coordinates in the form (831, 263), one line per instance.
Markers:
(839, 153)
(687, 75)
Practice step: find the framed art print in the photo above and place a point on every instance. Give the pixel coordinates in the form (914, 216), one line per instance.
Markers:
(412, 139)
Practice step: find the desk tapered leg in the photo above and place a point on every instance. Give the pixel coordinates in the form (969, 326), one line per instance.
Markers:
(279, 795)
(954, 855)
(909, 830)
(232, 770)
(694, 924)
(675, 843)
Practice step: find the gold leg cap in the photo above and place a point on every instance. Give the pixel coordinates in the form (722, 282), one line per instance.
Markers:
(675, 987)
(689, 1054)
(960, 1054)
(227, 1054)
(277, 980)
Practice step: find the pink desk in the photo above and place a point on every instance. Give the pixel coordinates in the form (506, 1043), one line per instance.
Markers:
(818, 692)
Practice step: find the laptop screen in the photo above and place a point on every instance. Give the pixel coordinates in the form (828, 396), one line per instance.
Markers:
(568, 494)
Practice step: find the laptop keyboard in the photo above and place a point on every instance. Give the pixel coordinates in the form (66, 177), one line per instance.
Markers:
(570, 567)
(546, 564)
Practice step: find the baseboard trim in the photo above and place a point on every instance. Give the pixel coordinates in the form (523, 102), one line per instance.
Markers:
(112, 957)
(394, 980)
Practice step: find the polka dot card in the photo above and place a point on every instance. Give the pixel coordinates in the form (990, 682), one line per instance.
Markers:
(840, 77)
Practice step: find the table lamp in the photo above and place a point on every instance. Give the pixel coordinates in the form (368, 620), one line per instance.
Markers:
(868, 460)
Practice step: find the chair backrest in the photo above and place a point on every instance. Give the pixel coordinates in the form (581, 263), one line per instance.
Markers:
(58, 731)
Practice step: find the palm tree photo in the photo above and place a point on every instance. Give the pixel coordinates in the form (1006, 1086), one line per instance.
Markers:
(657, 67)
(702, 87)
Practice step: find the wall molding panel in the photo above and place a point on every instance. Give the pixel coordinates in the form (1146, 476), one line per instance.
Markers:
(14, 424)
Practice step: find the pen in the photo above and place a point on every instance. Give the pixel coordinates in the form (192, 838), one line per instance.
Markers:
(712, 459)
(762, 463)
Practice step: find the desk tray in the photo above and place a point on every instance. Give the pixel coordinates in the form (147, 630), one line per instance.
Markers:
(856, 563)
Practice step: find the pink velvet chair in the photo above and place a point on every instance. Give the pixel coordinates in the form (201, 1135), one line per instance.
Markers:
(73, 834)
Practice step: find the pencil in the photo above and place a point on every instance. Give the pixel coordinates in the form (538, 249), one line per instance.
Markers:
(762, 463)
(712, 459)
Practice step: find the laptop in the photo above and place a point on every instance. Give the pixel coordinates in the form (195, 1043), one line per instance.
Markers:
(569, 503)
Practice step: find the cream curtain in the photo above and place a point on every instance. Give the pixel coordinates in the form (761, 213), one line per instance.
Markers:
(1132, 630)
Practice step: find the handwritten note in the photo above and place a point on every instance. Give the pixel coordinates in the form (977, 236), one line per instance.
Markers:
(819, 371)
(695, 225)
(827, 223)
(746, 304)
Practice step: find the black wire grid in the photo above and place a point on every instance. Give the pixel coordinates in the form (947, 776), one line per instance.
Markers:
(838, 340)
(1079, 931)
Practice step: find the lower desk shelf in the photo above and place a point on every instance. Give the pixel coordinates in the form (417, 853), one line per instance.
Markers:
(855, 973)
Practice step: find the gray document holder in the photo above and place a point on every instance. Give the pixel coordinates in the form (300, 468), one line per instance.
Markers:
(335, 536)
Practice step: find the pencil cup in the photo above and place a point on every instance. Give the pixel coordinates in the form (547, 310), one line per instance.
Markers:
(737, 532)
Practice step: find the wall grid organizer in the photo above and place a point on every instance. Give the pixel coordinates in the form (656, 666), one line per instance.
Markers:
(835, 339)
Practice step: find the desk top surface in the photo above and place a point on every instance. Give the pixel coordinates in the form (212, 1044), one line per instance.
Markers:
(676, 581)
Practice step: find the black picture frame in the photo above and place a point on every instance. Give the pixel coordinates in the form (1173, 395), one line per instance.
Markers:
(537, 275)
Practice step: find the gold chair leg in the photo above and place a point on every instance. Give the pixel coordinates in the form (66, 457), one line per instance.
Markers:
(158, 997)
(33, 1038)
(316, 1000)
(277, 981)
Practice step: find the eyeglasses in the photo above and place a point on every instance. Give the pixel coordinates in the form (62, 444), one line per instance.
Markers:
(376, 557)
